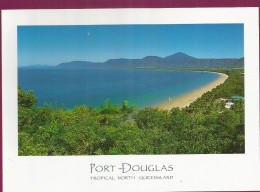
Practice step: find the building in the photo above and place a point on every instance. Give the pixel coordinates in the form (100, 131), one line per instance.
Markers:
(229, 104)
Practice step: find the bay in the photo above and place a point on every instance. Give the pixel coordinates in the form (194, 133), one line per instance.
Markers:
(91, 87)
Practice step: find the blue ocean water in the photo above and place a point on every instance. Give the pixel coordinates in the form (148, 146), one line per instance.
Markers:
(92, 87)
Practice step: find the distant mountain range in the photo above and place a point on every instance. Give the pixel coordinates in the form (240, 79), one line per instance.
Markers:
(177, 60)
(36, 66)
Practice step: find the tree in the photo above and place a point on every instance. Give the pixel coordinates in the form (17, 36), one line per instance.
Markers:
(27, 100)
(109, 109)
(127, 108)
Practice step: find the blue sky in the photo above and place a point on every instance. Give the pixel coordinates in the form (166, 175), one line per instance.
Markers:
(52, 45)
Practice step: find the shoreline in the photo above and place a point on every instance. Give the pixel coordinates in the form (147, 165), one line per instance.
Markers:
(187, 99)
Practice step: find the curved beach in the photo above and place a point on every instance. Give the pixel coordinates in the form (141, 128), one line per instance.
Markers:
(186, 100)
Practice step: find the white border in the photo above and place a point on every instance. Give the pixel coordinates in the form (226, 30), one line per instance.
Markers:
(191, 172)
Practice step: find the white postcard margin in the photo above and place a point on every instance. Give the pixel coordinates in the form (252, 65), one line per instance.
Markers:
(72, 173)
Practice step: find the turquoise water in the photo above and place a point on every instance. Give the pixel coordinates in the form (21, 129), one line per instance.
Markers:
(92, 87)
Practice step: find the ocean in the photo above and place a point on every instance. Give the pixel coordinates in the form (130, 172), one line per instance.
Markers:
(91, 87)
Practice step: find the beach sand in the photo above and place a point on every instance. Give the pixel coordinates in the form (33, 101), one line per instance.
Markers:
(187, 99)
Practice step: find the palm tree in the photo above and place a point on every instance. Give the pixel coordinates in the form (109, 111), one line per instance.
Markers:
(126, 108)
(108, 108)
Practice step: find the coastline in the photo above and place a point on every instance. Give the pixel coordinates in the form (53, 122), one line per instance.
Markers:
(186, 100)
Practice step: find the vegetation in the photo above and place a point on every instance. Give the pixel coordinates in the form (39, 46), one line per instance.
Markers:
(204, 127)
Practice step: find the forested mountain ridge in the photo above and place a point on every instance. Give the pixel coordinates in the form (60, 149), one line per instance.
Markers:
(177, 60)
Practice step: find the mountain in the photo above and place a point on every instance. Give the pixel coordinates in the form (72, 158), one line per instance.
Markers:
(77, 64)
(177, 60)
(36, 67)
(179, 57)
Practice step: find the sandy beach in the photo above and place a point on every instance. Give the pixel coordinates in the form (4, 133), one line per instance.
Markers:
(187, 99)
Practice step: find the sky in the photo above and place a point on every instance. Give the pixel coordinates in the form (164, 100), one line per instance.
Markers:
(52, 45)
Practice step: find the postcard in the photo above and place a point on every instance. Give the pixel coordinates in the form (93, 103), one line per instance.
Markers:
(131, 99)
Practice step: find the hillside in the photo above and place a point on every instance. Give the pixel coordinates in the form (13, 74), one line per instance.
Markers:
(36, 67)
(177, 60)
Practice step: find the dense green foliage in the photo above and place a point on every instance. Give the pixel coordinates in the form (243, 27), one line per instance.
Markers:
(206, 126)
